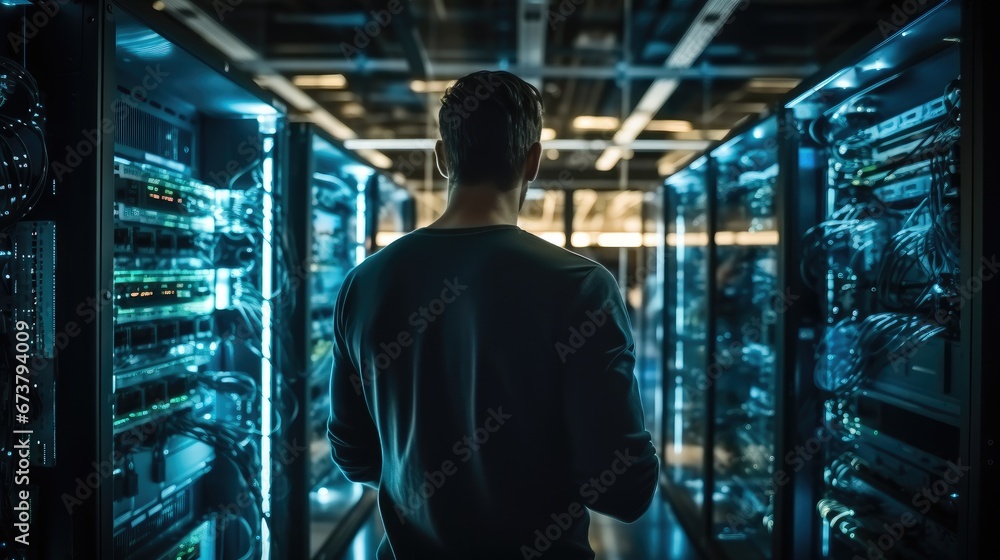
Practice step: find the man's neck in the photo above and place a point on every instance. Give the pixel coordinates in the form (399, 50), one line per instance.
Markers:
(479, 205)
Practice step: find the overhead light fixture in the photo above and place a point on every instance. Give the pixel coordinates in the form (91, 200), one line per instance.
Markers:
(320, 81)
(390, 144)
(587, 122)
(673, 162)
(609, 158)
(548, 134)
(284, 88)
(331, 124)
(159, 6)
(619, 239)
(705, 27)
(552, 154)
(206, 26)
(703, 134)
(352, 110)
(431, 86)
(378, 159)
(772, 85)
(669, 126)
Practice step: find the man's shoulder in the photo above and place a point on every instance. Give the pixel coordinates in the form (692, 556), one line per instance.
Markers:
(526, 249)
(559, 259)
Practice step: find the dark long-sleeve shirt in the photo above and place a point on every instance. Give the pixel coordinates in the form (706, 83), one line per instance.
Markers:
(483, 382)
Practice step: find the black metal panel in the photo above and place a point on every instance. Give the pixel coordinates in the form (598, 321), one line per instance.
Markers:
(66, 52)
(982, 230)
(799, 207)
(295, 521)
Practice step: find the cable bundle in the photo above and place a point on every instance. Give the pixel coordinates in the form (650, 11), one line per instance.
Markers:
(920, 267)
(847, 244)
(851, 349)
(231, 442)
(24, 158)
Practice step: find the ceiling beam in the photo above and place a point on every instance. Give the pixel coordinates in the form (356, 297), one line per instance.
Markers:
(406, 144)
(532, 25)
(447, 70)
(707, 24)
(408, 35)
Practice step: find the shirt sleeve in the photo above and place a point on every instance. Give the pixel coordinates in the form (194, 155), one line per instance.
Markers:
(612, 457)
(351, 430)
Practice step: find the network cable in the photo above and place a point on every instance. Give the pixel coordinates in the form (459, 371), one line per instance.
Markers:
(853, 349)
(24, 158)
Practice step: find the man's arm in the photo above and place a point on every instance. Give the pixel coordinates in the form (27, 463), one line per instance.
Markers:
(351, 429)
(612, 456)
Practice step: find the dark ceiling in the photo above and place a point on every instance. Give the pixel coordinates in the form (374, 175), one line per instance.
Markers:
(589, 56)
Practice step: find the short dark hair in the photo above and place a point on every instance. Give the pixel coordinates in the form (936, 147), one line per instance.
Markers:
(488, 122)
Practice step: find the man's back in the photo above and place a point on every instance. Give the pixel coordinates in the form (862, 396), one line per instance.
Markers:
(483, 382)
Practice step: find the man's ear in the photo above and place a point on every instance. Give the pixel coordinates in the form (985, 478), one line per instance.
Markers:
(441, 158)
(533, 162)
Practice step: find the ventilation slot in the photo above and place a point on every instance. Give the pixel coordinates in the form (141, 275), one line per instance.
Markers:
(139, 128)
(174, 512)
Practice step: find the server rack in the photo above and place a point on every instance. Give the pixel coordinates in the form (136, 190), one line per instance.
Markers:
(335, 200)
(896, 268)
(686, 427)
(883, 444)
(155, 276)
(744, 364)
(721, 426)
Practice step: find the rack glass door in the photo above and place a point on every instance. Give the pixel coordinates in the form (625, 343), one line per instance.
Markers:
(685, 400)
(745, 312)
(338, 237)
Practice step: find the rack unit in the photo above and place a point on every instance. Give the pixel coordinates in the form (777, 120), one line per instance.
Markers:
(159, 275)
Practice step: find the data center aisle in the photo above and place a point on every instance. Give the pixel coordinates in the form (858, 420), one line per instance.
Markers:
(655, 536)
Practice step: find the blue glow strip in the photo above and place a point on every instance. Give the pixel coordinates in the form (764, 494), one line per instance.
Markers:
(362, 222)
(267, 271)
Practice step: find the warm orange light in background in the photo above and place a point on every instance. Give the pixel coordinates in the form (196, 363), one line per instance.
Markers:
(633, 239)
(744, 238)
(320, 81)
(431, 86)
(669, 126)
(588, 122)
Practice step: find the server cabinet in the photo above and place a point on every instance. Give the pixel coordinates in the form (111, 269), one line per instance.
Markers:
(334, 198)
(723, 420)
(686, 423)
(149, 273)
(744, 361)
(892, 263)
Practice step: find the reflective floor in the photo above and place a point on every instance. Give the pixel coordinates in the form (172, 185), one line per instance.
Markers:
(655, 536)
